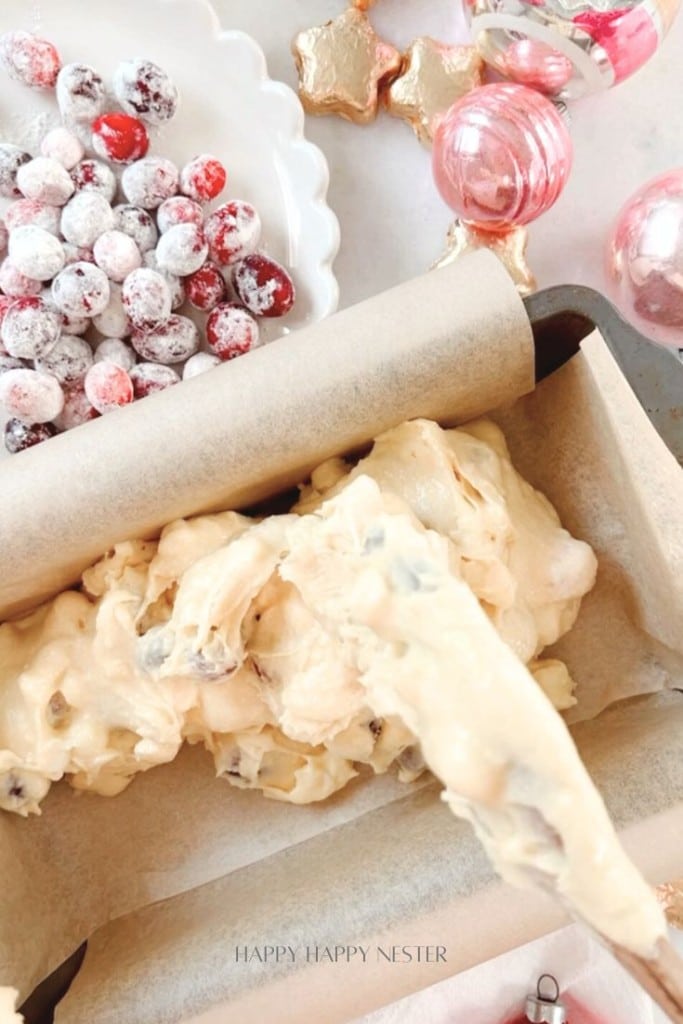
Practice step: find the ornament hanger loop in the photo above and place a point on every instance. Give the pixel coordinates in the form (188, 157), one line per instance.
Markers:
(555, 987)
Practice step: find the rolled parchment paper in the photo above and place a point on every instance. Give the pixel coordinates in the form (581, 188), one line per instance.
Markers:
(452, 344)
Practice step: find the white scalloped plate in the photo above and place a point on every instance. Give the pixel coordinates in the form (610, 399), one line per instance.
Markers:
(229, 107)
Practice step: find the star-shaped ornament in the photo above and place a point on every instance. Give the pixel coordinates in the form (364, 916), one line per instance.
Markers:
(510, 248)
(342, 66)
(433, 76)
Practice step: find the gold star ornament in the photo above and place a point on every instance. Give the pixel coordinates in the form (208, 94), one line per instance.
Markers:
(510, 248)
(342, 65)
(433, 76)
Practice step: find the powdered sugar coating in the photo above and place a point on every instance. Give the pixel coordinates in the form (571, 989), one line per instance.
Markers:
(171, 342)
(108, 387)
(29, 211)
(81, 94)
(30, 396)
(63, 146)
(113, 350)
(70, 324)
(30, 328)
(178, 210)
(148, 182)
(68, 361)
(263, 285)
(182, 249)
(30, 60)
(233, 231)
(117, 255)
(119, 137)
(14, 283)
(46, 180)
(146, 298)
(81, 289)
(199, 363)
(11, 159)
(205, 288)
(148, 378)
(94, 176)
(145, 90)
(85, 217)
(175, 283)
(113, 321)
(19, 436)
(35, 252)
(77, 254)
(203, 178)
(77, 409)
(138, 224)
(231, 331)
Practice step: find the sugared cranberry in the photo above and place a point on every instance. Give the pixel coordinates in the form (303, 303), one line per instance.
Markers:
(146, 299)
(68, 361)
(231, 331)
(182, 250)
(151, 377)
(23, 212)
(200, 362)
(81, 289)
(81, 94)
(36, 253)
(113, 350)
(203, 178)
(107, 387)
(31, 396)
(77, 409)
(14, 283)
(46, 180)
(30, 60)
(178, 210)
(263, 285)
(117, 255)
(145, 90)
(171, 342)
(85, 217)
(232, 231)
(113, 321)
(205, 288)
(11, 159)
(30, 328)
(119, 138)
(138, 224)
(148, 182)
(19, 435)
(175, 283)
(94, 176)
(63, 146)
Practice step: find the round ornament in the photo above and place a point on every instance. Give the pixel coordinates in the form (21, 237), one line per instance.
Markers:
(567, 48)
(644, 259)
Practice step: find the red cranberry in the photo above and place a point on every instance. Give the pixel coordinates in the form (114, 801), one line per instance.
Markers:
(19, 436)
(205, 288)
(30, 60)
(203, 179)
(119, 138)
(232, 231)
(107, 387)
(151, 377)
(231, 331)
(263, 286)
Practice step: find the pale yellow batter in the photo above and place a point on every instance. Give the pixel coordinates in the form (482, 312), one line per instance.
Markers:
(388, 619)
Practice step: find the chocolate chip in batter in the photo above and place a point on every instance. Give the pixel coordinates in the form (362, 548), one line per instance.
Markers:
(375, 726)
(58, 710)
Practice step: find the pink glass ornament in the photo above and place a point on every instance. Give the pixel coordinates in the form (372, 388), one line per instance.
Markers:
(502, 155)
(605, 41)
(644, 259)
(534, 63)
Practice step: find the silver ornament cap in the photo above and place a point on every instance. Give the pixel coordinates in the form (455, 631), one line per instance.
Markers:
(545, 1009)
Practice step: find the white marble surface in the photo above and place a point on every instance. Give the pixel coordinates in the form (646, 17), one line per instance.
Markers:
(392, 220)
